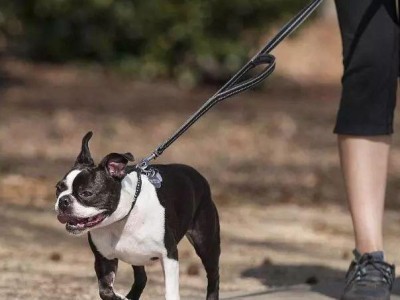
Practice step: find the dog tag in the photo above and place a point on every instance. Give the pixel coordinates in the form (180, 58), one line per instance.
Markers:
(155, 178)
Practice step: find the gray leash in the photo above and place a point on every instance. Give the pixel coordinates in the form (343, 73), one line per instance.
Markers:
(236, 85)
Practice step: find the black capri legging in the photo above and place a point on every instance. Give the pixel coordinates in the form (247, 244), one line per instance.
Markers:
(370, 35)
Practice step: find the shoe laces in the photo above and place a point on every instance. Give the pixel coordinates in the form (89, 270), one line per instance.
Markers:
(367, 268)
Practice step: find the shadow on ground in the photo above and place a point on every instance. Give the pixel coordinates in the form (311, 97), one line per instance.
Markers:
(291, 275)
(321, 279)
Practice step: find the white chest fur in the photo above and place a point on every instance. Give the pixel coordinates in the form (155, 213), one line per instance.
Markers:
(139, 237)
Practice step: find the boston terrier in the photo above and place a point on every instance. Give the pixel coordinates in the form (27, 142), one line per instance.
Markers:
(128, 218)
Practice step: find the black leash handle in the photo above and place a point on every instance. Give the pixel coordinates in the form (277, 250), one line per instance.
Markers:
(235, 85)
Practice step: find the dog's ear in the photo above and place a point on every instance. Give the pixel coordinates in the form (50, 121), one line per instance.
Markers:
(84, 158)
(115, 164)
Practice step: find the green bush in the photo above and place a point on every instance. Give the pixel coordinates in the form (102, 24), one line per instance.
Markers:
(191, 40)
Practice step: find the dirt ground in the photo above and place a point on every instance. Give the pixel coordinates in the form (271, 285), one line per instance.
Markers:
(263, 250)
(269, 155)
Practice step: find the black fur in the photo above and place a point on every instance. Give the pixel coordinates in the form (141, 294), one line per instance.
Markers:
(189, 210)
(186, 197)
(97, 186)
(106, 271)
(104, 189)
(84, 158)
(138, 286)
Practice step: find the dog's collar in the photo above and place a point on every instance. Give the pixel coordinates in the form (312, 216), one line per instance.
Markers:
(137, 190)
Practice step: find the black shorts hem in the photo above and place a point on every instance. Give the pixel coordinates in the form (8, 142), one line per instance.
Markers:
(363, 130)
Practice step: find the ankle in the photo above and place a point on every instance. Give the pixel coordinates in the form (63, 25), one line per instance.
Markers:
(377, 255)
(368, 247)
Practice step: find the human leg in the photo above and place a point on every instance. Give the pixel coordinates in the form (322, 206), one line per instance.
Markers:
(364, 163)
(370, 38)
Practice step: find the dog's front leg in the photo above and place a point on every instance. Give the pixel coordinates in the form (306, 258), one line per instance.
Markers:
(105, 270)
(171, 277)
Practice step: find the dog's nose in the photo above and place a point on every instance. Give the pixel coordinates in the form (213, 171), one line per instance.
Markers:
(64, 203)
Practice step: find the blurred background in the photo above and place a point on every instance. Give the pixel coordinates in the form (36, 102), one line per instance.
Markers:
(133, 72)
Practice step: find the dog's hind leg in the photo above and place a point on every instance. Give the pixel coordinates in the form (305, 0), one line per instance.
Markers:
(171, 277)
(204, 235)
(139, 284)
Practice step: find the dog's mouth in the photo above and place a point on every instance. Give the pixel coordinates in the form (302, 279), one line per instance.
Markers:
(75, 224)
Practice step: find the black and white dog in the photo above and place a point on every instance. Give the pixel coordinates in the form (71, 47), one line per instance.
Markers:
(98, 200)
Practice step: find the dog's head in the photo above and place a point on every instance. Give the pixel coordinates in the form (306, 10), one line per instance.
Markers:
(88, 194)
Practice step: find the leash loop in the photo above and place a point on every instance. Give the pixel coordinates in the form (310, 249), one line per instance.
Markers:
(238, 84)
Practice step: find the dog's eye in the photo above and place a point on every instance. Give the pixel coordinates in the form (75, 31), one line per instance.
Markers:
(85, 194)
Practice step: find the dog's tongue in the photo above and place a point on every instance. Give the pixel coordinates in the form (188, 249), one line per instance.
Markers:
(62, 219)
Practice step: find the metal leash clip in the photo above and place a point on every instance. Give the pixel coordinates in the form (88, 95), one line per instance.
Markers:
(152, 173)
